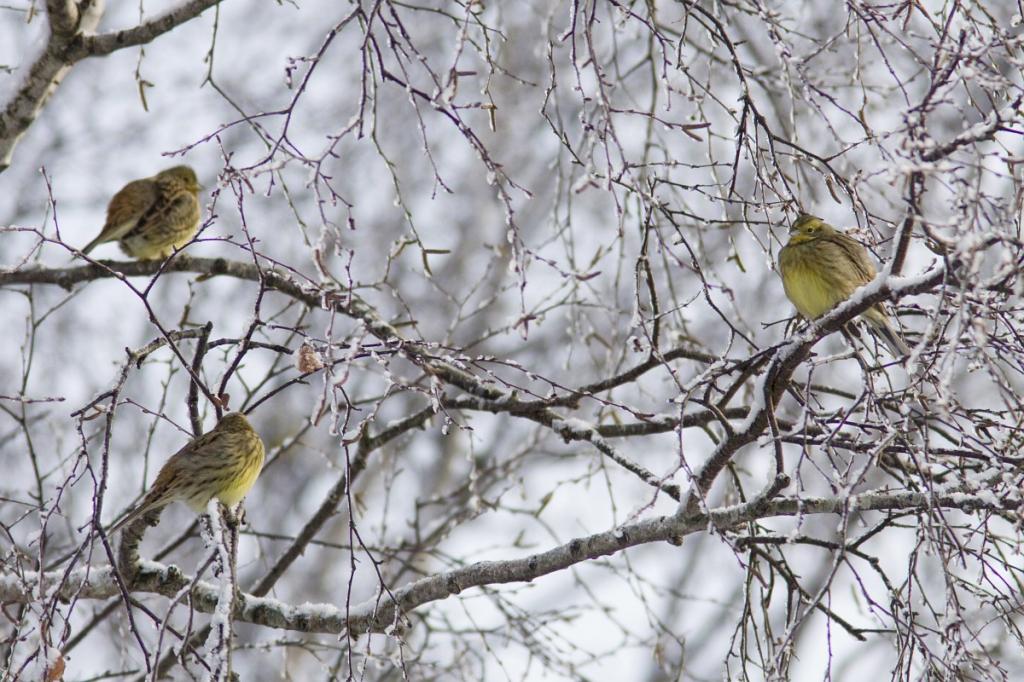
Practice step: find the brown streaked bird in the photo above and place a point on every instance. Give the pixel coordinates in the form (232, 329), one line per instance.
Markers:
(821, 267)
(222, 463)
(153, 216)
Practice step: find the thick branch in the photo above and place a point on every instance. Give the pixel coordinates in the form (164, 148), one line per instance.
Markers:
(105, 43)
(785, 361)
(380, 615)
(69, 42)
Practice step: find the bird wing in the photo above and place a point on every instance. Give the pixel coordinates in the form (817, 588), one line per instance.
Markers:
(198, 446)
(160, 493)
(168, 215)
(207, 448)
(127, 207)
(858, 255)
(876, 315)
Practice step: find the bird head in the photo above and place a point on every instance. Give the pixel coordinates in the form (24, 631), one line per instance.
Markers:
(234, 421)
(807, 227)
(180, 175)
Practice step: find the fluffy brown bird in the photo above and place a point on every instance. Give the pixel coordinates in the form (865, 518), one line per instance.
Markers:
(222, 463)
(153, 216)
(821, 267)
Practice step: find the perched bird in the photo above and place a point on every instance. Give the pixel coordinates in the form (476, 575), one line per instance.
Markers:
(153, 216)
(222, 463)
(821, 267)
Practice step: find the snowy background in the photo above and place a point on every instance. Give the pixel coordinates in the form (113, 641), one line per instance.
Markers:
(544, 194)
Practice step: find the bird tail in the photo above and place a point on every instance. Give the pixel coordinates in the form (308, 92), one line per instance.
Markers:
(887, 335)
(123, 522)
(144, 508)
(93, 244)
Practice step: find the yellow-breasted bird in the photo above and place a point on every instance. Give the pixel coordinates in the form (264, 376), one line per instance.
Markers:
(153, 216)
(821, 267)
(222, 463)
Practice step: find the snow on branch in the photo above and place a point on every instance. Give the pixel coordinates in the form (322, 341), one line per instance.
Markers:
(381, 615)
